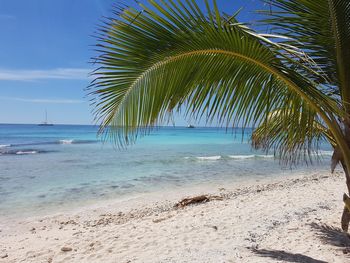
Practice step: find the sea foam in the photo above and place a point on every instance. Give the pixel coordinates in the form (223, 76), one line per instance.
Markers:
(26, 152)
(209, 158)
(324, 153)
(251, 156)
(66, 141)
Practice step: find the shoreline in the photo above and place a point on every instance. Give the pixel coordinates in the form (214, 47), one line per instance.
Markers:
(253, 217)
(171, 192)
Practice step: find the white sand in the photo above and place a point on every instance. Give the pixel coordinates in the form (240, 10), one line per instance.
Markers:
(281, 220)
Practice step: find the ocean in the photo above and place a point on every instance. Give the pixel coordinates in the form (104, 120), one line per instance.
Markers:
(52, 168)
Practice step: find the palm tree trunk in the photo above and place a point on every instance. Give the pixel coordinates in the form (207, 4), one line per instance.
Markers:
(345, 219)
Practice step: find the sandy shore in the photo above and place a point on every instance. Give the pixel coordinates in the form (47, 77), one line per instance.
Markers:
(291, 219)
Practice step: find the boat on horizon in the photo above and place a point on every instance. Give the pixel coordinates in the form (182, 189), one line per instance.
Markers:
(45, 123)
(191, 126)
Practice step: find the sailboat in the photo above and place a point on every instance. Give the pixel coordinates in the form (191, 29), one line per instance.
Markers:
(45, 123)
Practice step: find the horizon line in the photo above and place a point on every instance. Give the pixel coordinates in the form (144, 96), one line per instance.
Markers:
(97, 125)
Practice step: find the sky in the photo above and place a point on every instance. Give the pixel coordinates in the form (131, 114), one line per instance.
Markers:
(45, 53)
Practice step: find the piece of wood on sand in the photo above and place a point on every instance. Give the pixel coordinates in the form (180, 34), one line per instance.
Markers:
(196, 199)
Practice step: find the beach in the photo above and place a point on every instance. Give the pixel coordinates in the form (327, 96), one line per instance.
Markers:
(181, 131)
(287, 219)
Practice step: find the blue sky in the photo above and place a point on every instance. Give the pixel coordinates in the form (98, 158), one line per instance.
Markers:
(45, 50)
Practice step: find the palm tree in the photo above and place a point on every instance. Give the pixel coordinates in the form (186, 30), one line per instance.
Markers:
(174, 57)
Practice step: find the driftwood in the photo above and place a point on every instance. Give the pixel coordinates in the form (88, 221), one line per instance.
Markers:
(196, 199)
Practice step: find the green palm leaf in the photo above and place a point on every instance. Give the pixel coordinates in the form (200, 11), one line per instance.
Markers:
(273, 133)
(154, 62)
(323, 28)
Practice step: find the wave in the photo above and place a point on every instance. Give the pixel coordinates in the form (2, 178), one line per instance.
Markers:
(323, 153)
(251, 156)
(66, 141)
(262, 156)
(72, 141)
(236, 157)
(204, 158)
(63, 141)
(241, 156)
(26, 152)
(209, 158)
(22, 152)
(248, 156)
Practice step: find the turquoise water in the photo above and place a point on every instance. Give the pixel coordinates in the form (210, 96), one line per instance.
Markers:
(48, 168)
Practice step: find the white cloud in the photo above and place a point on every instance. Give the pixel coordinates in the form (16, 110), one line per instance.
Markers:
(32, 75)
(50, 101)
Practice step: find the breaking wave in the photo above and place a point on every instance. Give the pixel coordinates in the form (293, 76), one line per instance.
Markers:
(22, 152)
(66, 141)
(323, 153)
(234, 157)
(63, 141)
(209, 158)
(26, 152)
(251, 156)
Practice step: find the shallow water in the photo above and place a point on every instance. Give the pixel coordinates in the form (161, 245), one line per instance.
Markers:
(45, 169)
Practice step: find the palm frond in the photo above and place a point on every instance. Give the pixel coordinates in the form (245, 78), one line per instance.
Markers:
(173, 56)
(322, 29)
(275, 132)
